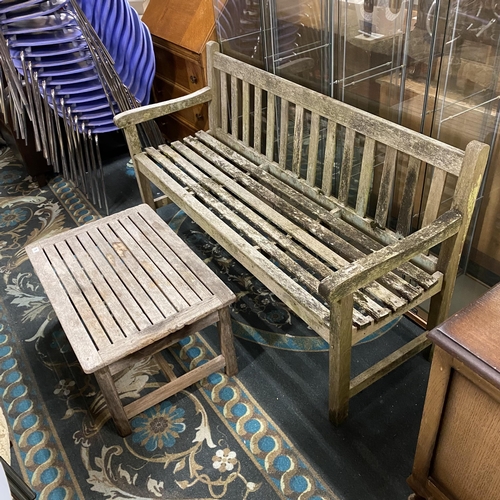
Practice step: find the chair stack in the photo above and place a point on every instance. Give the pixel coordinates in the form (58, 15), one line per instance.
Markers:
(70, 66)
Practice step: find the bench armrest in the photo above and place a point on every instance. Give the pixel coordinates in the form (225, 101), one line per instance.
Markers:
(375, 265)
(151, 111)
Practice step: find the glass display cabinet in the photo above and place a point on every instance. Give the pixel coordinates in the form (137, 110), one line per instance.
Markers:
(430, 65)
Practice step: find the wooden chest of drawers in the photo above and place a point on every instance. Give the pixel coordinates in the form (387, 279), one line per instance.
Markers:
(458, 449)
(180, 31)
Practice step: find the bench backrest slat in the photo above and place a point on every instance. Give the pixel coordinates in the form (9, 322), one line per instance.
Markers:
(386, 187)
(313, 150)
(365, 177)
(234, 107)
(270, 120)
(347, 162)
(298, 134)
(329, 161)
(224, 103)
(257, 129)
(426, 149)
(283, 153)
(246, 113)
(403, 226)
(436, 190)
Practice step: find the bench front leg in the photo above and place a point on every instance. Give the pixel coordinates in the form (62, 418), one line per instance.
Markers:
(340, 358)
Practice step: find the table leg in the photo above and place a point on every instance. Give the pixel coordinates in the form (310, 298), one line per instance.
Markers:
(115, 406)
(226, 341)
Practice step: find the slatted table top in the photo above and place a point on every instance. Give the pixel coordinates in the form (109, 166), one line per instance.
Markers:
(122, 283)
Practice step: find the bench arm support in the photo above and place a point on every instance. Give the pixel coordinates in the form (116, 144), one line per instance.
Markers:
(375, 265)
(152, 111)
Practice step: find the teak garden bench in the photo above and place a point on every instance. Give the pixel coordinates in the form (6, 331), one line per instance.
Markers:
(317, 199)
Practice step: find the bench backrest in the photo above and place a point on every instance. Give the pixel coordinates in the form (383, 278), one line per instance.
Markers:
(372, 168)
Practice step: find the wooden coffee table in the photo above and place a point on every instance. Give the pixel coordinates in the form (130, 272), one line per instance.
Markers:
(125, 287)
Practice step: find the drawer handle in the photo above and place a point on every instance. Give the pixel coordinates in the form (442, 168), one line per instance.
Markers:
(193, 79)
(199, 116)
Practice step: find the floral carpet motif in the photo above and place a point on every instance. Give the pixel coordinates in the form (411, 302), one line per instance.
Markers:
(210, 441)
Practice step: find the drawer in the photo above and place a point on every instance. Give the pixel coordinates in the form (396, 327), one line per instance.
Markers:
(197, 116)
(184, 73)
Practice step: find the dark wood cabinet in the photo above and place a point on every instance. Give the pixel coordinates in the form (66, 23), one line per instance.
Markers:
(458, 449)
(180, 32)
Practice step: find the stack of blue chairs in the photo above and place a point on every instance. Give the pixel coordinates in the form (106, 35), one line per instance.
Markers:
(48, 34)
(69, 66)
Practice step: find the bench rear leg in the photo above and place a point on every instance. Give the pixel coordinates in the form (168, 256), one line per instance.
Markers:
(340, 358)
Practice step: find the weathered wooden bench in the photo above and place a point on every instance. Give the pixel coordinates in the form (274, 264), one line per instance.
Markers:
(317, 199)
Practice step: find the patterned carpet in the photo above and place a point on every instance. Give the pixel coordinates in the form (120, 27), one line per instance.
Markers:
(261, 435)
(211, 441)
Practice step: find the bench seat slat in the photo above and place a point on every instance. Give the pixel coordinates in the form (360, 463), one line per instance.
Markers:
(191, 179)
(341, 247)
(348, 232)
(292, 294)
(259, 241)
(277, 217)
(198, 180)
(383, 236)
